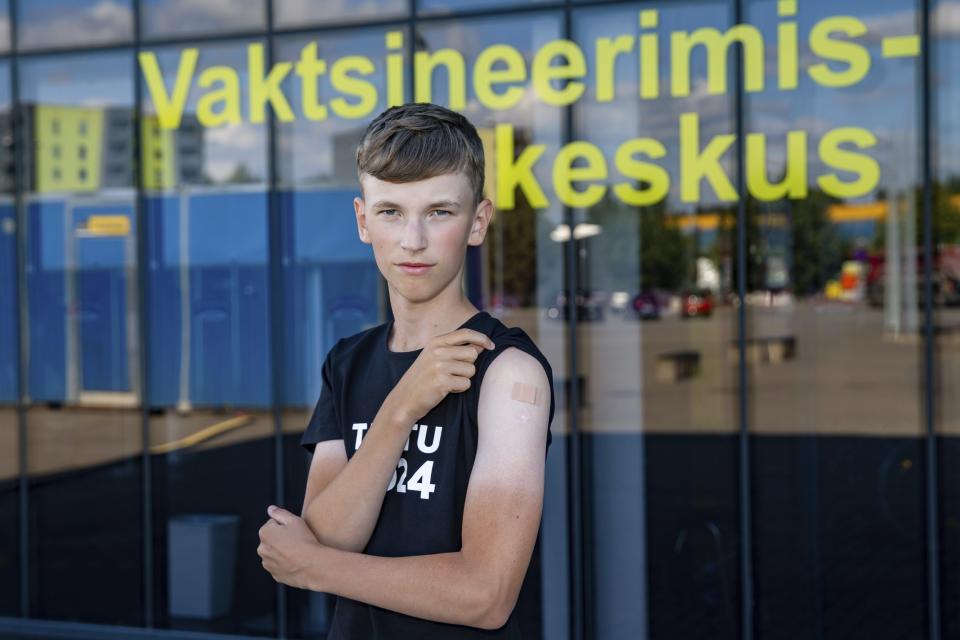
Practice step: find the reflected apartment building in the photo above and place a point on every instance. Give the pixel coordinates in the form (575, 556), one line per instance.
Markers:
(752, 311)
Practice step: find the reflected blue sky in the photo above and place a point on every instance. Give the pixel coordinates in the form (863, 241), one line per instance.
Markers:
(94, 79)
(884, 102)
(609, 124)
(308, 150)
(946, 79)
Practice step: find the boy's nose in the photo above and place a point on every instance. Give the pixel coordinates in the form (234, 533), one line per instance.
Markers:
(413, 237)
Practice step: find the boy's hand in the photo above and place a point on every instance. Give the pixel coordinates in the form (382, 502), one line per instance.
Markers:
(284, 539)
(444, 366)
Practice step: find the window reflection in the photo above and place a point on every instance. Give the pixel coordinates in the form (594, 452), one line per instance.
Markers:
(834, 328)
(945, 197)
(82, 350)
(8, 243)
(9, 388)
(189, 17)
(834, 295)
(204, 167)
(62, 23)
(453, 6)
(654, 283)
(9, 512)
(519, 265)
(4, 25)
(331, 284)
(293, 13)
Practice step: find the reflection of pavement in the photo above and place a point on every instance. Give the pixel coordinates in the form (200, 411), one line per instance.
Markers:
(72, 438)
(848, 376)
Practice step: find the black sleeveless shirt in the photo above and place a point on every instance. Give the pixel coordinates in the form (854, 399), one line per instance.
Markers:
(422, 511)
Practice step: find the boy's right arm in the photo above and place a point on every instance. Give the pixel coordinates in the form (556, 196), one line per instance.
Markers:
(342, 501)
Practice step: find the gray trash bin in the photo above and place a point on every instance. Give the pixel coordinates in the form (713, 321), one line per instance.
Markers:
(201, 554)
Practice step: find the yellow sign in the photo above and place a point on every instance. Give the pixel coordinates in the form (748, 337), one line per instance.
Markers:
(501, 76)
(108, 225)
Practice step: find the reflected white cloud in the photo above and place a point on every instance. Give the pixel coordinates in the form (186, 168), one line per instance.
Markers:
(944, 22)
(230, 146)
(189, 16)
(104, 21)
(299, 11)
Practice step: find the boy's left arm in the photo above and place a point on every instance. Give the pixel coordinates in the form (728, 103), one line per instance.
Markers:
(478, 585)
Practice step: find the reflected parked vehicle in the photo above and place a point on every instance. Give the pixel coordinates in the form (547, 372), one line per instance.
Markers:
(589, 305)
(698, 302)
(646, 306)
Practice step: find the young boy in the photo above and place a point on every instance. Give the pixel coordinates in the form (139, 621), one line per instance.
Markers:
(428, 528)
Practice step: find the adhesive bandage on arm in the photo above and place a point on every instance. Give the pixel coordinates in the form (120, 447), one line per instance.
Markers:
(523, 392)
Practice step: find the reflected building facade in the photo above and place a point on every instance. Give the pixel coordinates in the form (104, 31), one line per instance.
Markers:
(745, 272)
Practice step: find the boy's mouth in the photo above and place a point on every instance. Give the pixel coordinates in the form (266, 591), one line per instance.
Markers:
(414, 268)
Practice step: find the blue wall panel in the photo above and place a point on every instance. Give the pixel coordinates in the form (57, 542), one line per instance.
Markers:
(46, 302)
(8, 306)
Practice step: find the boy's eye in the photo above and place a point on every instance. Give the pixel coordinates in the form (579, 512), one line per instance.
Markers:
(443, 211)
(389, 211)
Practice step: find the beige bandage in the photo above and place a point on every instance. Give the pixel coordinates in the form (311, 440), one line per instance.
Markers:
(524, 393)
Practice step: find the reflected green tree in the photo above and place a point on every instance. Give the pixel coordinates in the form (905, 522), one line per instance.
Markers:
(665, 255)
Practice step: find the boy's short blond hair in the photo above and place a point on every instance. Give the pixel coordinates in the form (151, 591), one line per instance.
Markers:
(416, 141)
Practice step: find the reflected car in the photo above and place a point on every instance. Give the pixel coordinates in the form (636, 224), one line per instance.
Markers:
(589, 305)
(696, 303)
(646, 306)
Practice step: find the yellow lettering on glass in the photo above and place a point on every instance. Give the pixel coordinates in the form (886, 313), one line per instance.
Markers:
(564, 174)
(169, 108)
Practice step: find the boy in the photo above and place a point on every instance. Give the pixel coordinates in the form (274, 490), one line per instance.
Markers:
(428, 528)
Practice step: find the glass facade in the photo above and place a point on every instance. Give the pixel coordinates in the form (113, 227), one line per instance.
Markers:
(732, 226)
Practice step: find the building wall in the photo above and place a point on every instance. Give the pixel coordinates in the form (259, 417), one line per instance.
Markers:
(725, 263)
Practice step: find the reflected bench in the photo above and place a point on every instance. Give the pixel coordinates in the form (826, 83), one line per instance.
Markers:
(765, 350)
(673, 366)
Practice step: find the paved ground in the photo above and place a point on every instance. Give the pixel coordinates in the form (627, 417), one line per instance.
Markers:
(848, 377)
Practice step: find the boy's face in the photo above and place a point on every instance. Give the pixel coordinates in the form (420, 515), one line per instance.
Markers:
(429, 221)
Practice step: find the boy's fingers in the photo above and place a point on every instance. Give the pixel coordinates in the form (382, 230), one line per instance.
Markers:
(469, 336)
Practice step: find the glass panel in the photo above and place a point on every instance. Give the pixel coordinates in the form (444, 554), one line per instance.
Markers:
(197, 17)
(945, 26)
(205, 162)
(9, 512)
(9, 423)
(45, 24)
(655, 252)
(82, 348)
(453, 6)
(520, 265)
(834, 321)
(332, 287)
(8, 245)
(4, 25)
(298, 13)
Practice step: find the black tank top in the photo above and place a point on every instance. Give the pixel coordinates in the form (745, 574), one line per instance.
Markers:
(422, 511)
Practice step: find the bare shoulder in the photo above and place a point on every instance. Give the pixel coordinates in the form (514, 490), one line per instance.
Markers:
(514, 396)
(516, 363)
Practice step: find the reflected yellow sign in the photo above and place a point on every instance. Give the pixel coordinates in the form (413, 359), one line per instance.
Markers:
(105, 225)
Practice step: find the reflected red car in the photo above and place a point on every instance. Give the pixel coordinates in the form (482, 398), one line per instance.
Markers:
(697, 303)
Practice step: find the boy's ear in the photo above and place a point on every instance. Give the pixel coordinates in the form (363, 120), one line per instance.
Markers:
(481, 219)
(361, 220)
